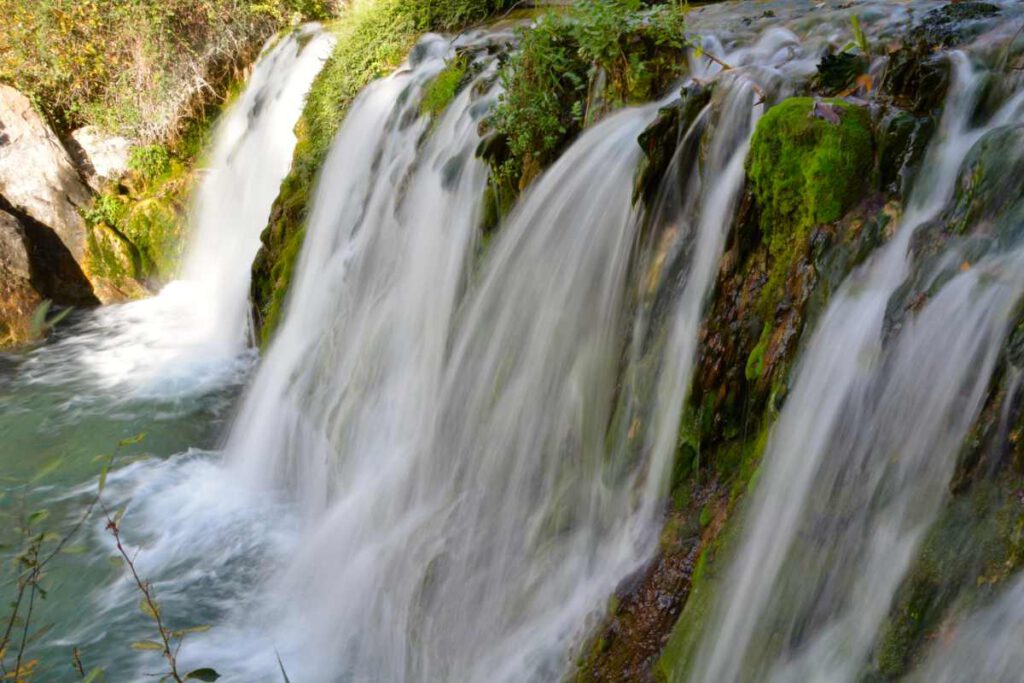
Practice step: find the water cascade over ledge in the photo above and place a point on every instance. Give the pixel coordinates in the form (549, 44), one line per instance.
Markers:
(442, 423)
(463, 448)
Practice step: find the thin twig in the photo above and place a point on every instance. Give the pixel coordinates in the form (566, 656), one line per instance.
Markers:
(146, 590)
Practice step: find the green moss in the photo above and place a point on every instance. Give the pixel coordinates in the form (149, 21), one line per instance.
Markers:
(805, 171)
(281, 276)
(148, 211)
(752, 371)
(111, 256)
(150, 161)
(445, 87)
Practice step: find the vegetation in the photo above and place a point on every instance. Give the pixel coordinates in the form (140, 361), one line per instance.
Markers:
(445, 87)
(136, 225)
(35, 548)
(136, 68)
(809, 162)
(571, 69)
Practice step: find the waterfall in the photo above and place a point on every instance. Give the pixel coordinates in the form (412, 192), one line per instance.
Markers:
(441, 422)
(251, 155)
(858, 464)
(192, 337)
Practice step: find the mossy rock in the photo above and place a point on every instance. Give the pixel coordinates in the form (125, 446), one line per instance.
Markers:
(990, 189)
(806, 170)
(443, 89)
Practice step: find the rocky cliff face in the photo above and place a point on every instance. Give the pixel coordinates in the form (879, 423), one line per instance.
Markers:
(37, 175)
(42, 232)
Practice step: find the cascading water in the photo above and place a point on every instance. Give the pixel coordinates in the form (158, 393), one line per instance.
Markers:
(192, 336)
(457, 449)
(859, 462)
(446, 437)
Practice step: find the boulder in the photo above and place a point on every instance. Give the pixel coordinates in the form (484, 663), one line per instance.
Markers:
(100, 157)
(37, 176)
(18, 297)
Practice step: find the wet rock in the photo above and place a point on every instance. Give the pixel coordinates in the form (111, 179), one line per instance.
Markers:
(916, 79)
(916, 76)
(989, 196)
(954, 23)
(36, 173)
(100, 157)
(985, 216)
(661, 139)
(903, 139)
(839, 72)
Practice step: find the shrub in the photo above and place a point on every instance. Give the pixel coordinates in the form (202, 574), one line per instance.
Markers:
(133, 67)
(552, 82)
(150, 161)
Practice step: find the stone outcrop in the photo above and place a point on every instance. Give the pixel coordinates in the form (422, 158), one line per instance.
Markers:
(18, 298)
(36, 174)
(35, 266)
(100, 157)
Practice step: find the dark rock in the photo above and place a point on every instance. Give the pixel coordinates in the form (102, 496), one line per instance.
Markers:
(953, 24)
(661, 140)
(903, 139)
(839, 72)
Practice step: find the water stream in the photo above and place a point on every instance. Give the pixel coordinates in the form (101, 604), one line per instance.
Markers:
(459, 445)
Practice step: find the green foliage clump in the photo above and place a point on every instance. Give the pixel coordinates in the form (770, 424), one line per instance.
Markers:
(129, 66)
(805, 171)
(150, 161)
(551, 81)
(136, 226)
(443, 89)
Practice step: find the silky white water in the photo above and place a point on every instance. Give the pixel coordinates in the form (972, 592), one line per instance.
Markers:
(457, 447)
(442, 423)
(193, 336)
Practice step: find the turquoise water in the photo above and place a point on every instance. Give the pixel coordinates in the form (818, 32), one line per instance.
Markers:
(62, 415)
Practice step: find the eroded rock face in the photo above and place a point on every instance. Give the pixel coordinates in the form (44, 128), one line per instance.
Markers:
(35, 266)
(100, 157)
(37, 176)
(18, 298)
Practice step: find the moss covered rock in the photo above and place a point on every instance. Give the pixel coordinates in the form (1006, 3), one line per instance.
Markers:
(806, 169)
(809, 162)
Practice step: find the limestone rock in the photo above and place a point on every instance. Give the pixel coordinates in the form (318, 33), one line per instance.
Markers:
(37, 176)
(18, 297)
(100, 157)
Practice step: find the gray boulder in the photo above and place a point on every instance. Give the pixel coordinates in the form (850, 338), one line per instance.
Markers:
(100, 157)
(18, 297)
(37, 176)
